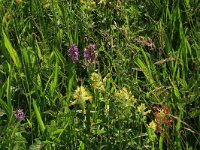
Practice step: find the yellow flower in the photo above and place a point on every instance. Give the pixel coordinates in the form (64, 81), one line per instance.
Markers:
(81, 95)
(88, 1)
(97, 82)
(102, 2)
(125, 96)
(146, 112)
(152, 126)
(141, 109)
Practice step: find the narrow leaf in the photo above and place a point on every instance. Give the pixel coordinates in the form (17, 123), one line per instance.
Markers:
(38, 116)
(11, 51)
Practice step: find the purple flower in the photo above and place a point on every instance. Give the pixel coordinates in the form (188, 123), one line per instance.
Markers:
(73, 53)
(90, 53)
(19, 114)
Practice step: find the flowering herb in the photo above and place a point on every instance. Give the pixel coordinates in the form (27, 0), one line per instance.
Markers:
(97, 82)
(162, 118)
(152, 126)
(19, 114)
(90, 54)
(142, 109)
(125, 96)
(80, 96)
(73, 53)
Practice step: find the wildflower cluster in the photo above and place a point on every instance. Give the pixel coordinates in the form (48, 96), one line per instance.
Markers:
(19, 114)
(90, 55)
(142, 109)
(97, 82)
(152, 126)
(73, 53)
(80, 96)
(162, 118)
(125, 97)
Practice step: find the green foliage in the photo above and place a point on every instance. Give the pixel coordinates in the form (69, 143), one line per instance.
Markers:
(141, 92)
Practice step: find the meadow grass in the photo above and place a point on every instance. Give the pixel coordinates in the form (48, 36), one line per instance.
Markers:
(133, 84)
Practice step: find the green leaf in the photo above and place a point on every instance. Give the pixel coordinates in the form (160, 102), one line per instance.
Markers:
(81, 146)
(5, 108)
(36, 146)
(176, 91)
(2, 112)
(145, 70)
(160, 143)
(38, 116)
(11, 51)
(101, 131)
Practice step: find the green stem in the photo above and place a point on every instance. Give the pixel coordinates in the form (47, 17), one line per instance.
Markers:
(38, 116)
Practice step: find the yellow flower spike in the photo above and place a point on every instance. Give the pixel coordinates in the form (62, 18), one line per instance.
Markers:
(152, 126)
(146, 112)
(80, 96)
(133, 99)
(125, 93)
(73, 103)
(90, 2)
(97, 83)
(125, 97)
(141, 108)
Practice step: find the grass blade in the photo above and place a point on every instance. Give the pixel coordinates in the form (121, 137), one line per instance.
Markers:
(38, 116)
(11, 51)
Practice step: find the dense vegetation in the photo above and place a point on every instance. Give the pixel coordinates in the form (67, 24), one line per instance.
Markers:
(104, 74)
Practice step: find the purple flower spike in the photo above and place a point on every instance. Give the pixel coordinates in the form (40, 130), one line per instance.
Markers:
(19, 114)
(90, 54)
(73, 53)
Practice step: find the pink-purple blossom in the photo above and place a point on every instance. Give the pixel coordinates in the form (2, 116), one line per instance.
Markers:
(73, 53)
(90, 54)
(19, 114)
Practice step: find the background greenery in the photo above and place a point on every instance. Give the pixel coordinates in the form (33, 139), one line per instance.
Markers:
(148, 64)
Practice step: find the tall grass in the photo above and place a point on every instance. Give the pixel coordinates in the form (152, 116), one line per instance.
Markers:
(140, 92)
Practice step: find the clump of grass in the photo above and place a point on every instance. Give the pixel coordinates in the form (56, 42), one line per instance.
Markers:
(99, 74)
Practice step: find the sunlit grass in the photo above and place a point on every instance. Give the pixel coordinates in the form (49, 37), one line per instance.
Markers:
(99, 74)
